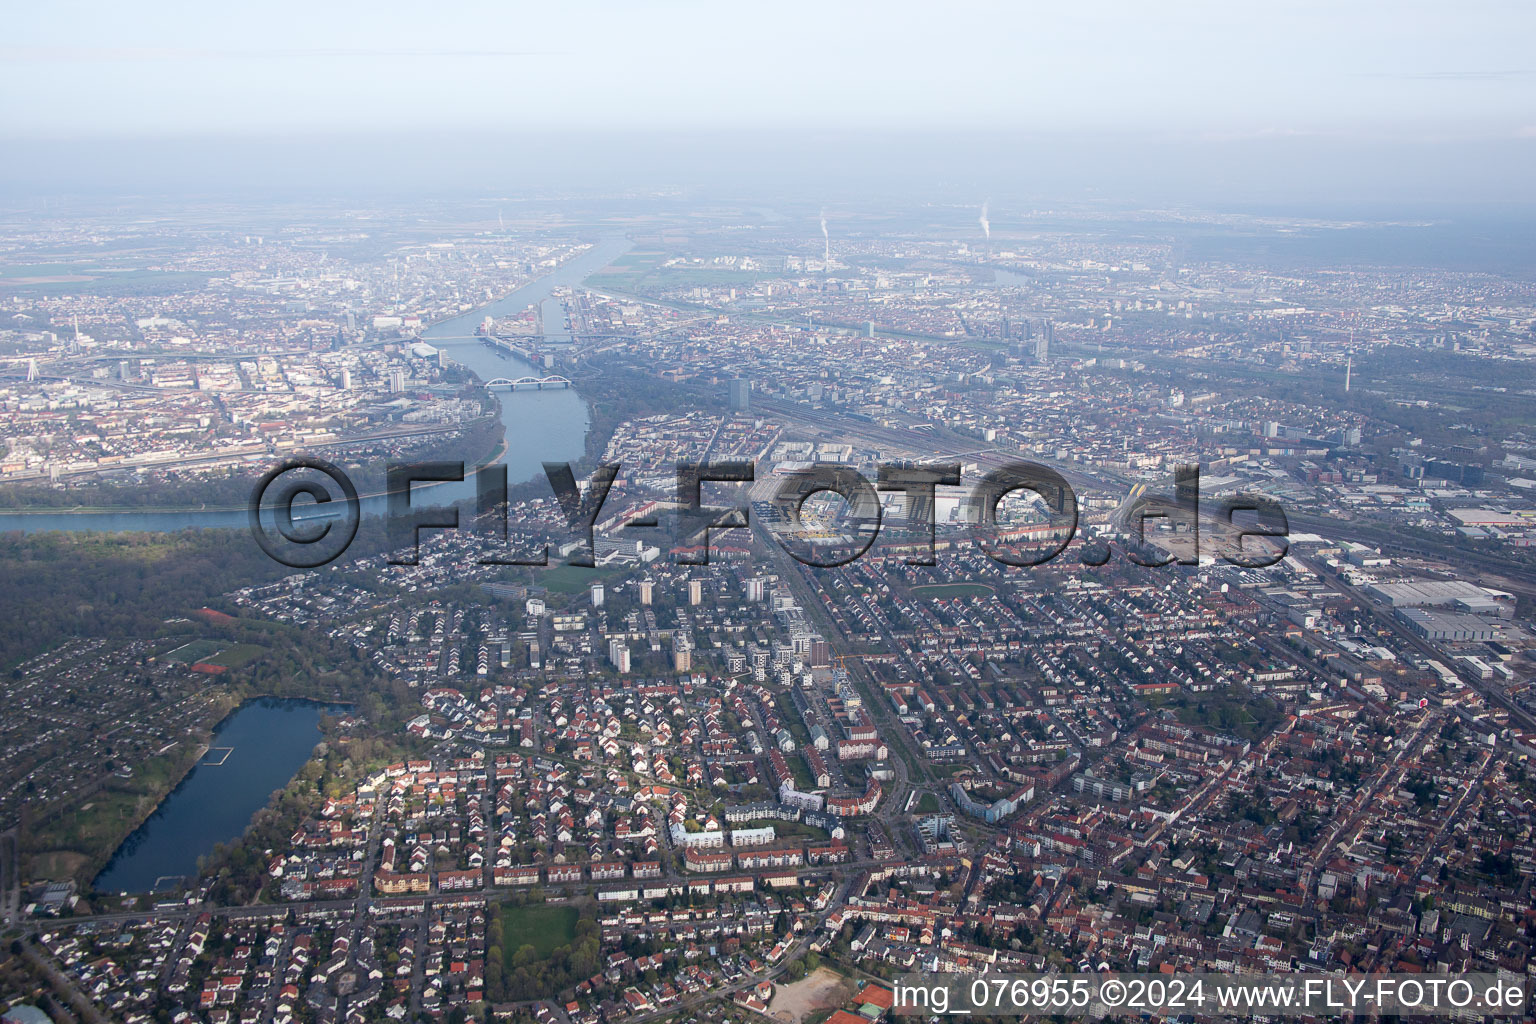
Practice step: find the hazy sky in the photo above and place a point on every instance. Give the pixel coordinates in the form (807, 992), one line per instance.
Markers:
(1395, 70)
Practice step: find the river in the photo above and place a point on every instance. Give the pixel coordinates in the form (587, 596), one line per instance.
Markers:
(255, 751)
(539, 426)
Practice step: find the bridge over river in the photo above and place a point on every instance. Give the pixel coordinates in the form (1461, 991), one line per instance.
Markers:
(527, 383)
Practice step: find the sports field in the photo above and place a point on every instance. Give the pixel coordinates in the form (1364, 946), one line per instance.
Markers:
(947, 590)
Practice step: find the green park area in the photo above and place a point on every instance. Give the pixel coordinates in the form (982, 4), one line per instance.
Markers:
(93, 279)
(1236, 711)
(624, 273)
(544, 926)
(76, 839)
(645, 273)
(196, 651)
(575, 579)
(948, 590)
(238, 656)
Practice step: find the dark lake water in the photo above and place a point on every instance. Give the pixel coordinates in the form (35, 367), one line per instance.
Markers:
(255, 751)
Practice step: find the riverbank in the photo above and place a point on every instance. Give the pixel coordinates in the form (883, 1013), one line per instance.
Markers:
(265, 742)
(84, 510)
(79, 838)
(510, 293)
(542, 428)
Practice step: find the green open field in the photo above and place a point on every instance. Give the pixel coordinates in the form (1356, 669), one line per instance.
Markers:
(927, 804)
(639, 260)
(678, 277)
(237, 656)
(86, 834)
(544, 926)
(1235, 711)
(93, 279)
(197, 650)
(642, 272)
(626, 271)
(27, 273)
(574, 579)
(946, 590)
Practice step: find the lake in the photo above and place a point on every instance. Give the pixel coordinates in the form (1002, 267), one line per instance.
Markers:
(254, 752)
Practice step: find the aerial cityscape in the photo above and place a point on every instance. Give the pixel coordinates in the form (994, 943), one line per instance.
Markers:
(721, 601)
